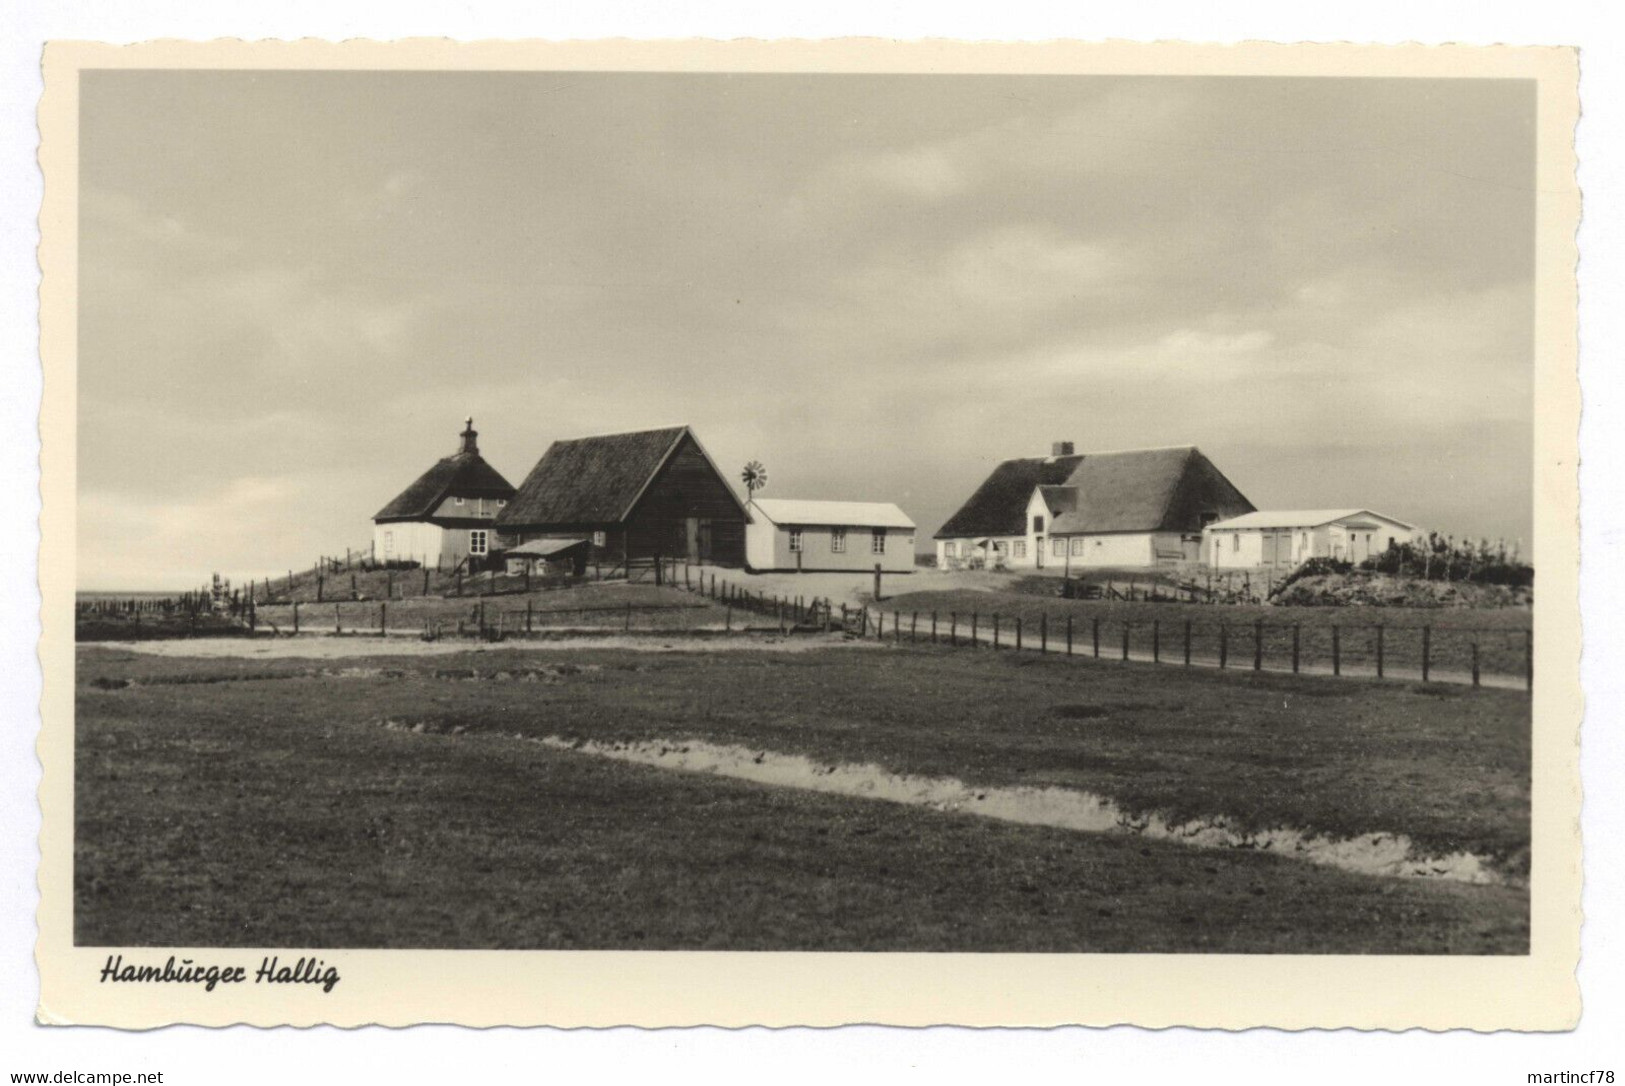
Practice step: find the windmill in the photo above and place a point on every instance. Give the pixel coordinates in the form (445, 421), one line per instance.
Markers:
(754, 477)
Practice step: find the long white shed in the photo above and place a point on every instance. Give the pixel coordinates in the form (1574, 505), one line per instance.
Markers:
(789, 534)
(1284, 538)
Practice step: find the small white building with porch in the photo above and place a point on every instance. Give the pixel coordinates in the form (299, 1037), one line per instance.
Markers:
(1286, 538)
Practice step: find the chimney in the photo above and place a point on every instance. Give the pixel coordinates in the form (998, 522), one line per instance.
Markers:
(1061, 448)
(469, 434)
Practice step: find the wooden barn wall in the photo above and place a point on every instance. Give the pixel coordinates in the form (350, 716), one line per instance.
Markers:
(686, 487)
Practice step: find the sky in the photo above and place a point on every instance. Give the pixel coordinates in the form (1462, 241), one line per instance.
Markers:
(294, 286)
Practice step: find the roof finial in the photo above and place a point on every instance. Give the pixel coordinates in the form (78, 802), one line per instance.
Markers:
(469, 436)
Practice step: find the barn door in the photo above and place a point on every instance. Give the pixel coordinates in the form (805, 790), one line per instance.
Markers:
(693, 542)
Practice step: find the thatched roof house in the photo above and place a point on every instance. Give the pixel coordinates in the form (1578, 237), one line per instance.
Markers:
(447, 512)
(1126, 508)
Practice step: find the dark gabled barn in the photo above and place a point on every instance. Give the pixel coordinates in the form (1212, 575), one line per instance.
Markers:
(653, 493)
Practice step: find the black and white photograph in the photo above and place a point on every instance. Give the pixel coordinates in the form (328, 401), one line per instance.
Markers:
(911, 512)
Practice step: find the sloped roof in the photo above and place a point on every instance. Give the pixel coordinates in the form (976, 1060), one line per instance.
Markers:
(542, 548)
(851, 514)
(1300, 518)
(1135, 490)
(999, 506)
(465, 474)
(591, 480)
(1060, 499)
(1148, 490)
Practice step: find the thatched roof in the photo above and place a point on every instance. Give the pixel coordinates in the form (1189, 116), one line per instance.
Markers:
(465, 474)
(1139, 490)
(590, 480)
(999, 506)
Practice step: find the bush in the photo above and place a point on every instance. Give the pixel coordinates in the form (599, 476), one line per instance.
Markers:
(1444, 558)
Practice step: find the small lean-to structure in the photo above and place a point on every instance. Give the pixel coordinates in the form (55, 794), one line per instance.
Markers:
(448, 514)
(787, 534)
(631, 496)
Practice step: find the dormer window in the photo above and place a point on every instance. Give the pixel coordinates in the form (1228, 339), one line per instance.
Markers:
(457, 501)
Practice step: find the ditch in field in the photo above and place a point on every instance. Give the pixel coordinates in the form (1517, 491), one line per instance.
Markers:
(1380, 854)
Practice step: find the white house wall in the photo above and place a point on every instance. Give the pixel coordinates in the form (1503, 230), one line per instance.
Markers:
(1283, 548)
(767, 546)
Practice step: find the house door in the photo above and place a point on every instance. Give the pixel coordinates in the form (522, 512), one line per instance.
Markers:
(699, 539)
(1039, 553)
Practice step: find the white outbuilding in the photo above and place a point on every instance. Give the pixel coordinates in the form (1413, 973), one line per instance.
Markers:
(1284, 538)
(788, 534)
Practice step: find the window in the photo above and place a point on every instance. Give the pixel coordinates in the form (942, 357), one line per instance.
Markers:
(1235, 541)
(1058, 548)
(950, 549)
(1038, 525)
(837, 540)
(457, 501)
(999, 546)
(501, 502)
(1019, 549)
(389, 544)
(795, 540)
(877, 541)
(478, 542)
(1077, 546)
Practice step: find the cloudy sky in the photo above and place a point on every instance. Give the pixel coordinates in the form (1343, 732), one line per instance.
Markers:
(294, 286)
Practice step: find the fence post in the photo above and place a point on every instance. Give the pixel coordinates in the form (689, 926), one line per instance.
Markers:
(896, 629)
(863, 622)
(1427, 645)
(1156, 641)
(1069, 635)
(1094, 629)
(933, 627)
(1224, 645)
(1295, 633)
(338, 623)
(528, 613)
(295, 616)
(728, 618)
(953, 628)
(1379, 650)
(1018, 633)
(1187, 642)
(1126, 627)
(995, 630)
(1475, 662)
(321, 583)
(383, 619)
(974, 637)
(1258, 645)
(1337, 651)
(1043, 632)
(914, 627)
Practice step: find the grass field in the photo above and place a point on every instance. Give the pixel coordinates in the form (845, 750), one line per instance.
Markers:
(1499, 634)
(261, 802)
